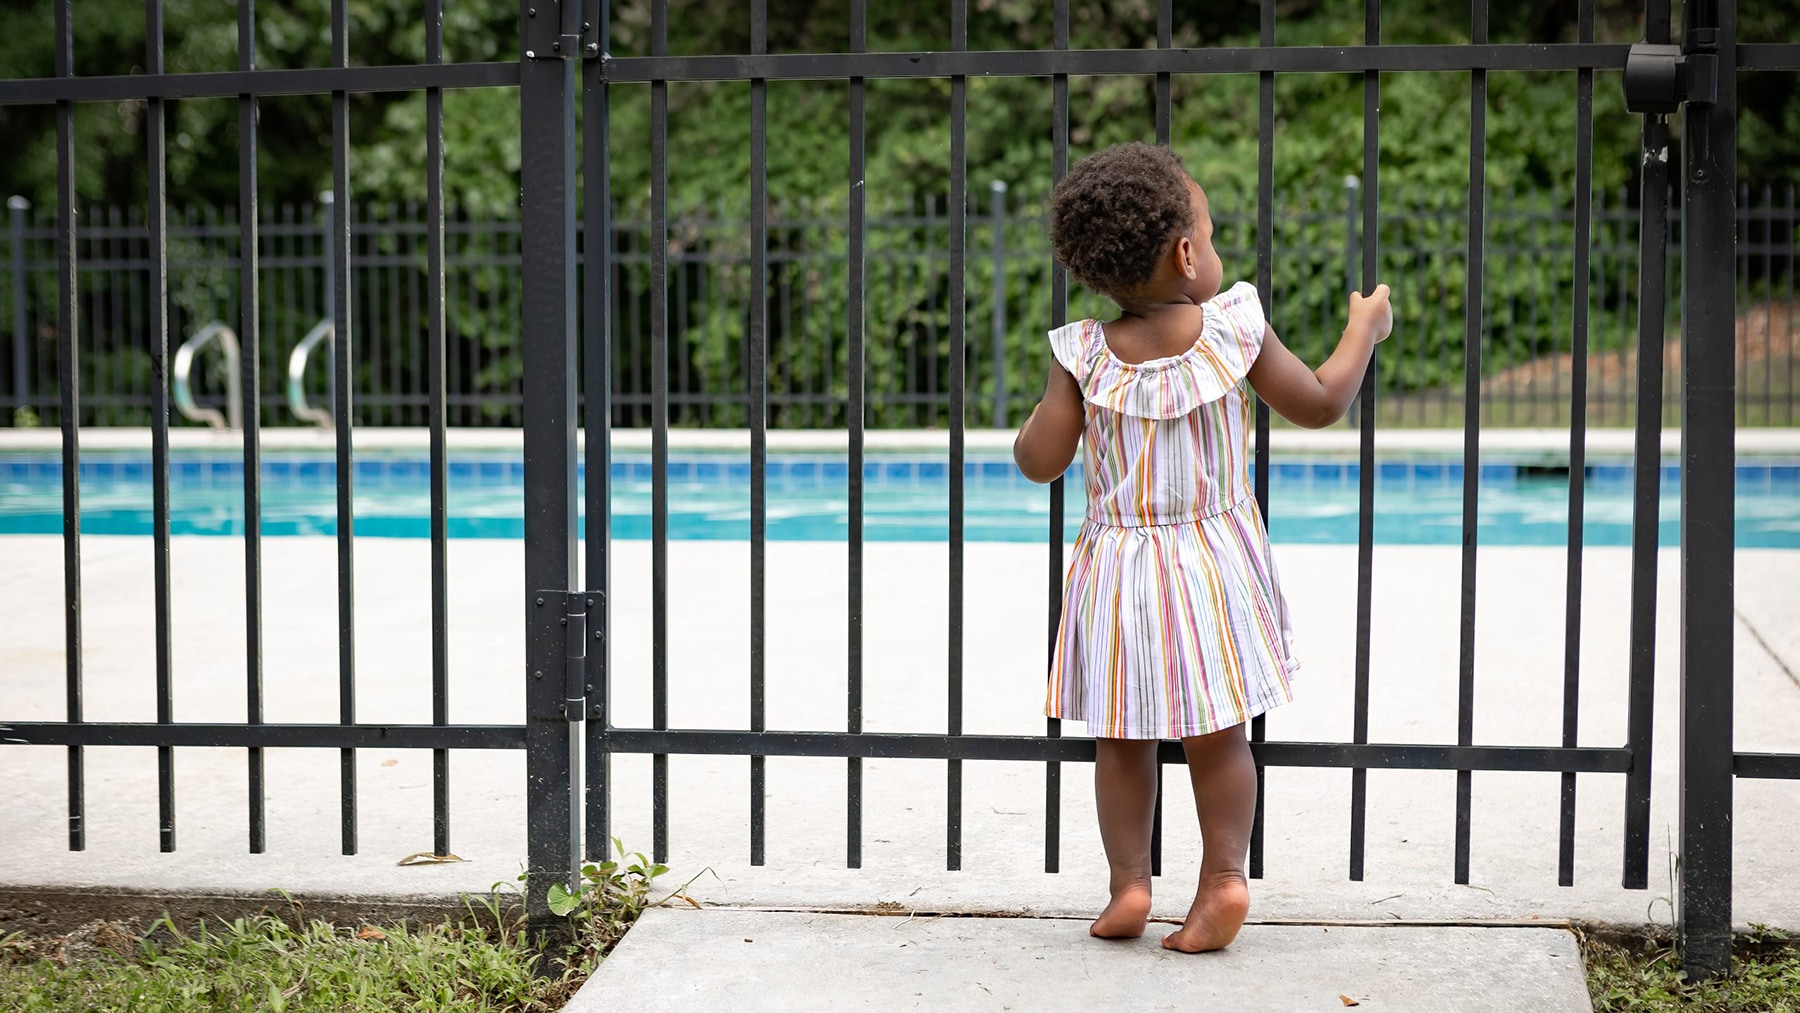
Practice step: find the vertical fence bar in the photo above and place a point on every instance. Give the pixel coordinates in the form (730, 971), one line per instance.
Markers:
(1767, 401)
(597, 363)
(1164, 26)
(1265, 287)
(435, 357)
(1472, 337)
(1745, 216)
(1653, 243)
(418, 357)
(157, 223)
(250, 343)
(1578, 379)
(1352, 272)
(997, 220)
(958, 226)
(857, 411)
(659, 429)
(552, 562)
(1708, 465)
(118, 322)
(1365, 401)
(91, 239)
(1165, 18)
(16, 207)
(759, 413)
(342, 420)
(68, 350)
(131, 280)
(1059, 314)
(328, 290)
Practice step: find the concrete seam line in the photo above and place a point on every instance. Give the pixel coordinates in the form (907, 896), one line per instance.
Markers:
(920, 913)
(1768, 649)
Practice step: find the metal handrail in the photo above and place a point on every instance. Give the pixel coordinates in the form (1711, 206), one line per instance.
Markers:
(324, 330)
(234, 391)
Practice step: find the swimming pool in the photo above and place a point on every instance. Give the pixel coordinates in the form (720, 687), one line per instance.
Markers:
(1417, 501)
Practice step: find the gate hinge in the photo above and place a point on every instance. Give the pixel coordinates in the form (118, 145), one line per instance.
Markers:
(557, 30)
(1659, 78)
(576, 608)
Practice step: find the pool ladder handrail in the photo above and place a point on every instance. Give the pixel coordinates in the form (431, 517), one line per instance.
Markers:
(183, 378)
(303, 410)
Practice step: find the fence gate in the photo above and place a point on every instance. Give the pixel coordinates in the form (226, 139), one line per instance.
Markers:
(1697, 78)
(566, 676)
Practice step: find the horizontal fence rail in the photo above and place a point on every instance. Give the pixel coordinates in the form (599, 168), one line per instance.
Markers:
(839, 66)
(1527, 361)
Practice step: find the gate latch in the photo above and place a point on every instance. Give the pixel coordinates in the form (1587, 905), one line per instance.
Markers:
(576, 607)
(557, 30)
(1659, 78)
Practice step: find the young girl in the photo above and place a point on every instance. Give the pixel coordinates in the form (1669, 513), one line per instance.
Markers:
(1173, 623)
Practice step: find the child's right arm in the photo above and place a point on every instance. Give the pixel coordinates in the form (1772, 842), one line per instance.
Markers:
(1317, 398)
(1047, 442)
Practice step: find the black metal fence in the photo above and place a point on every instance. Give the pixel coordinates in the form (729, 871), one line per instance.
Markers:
(566, 685)
(1526, 356)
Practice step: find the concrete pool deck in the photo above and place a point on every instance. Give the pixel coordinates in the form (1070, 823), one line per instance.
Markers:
(1519, 673)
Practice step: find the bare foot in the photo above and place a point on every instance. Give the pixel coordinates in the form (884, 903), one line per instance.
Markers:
(1219, 910)
(1124, 918)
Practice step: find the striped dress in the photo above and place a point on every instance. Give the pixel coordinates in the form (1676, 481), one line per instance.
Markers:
(1173, 623)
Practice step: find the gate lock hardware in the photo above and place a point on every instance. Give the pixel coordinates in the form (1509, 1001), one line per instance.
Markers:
(556, 30)
(575, 609)
(1659, 78)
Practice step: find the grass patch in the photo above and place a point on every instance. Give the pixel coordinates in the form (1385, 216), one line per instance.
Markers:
(280, 961)
(268, 963)
(1644, 975)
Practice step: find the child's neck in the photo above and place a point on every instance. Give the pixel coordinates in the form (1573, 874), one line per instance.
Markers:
(1150, 305)
(1155, 327)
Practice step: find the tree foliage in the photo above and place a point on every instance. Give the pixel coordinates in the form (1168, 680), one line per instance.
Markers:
(1424, 125)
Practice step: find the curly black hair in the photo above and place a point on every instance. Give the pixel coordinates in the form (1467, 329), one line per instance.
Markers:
(1113, 216)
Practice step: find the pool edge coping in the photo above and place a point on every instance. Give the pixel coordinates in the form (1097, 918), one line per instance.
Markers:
(1540, 444)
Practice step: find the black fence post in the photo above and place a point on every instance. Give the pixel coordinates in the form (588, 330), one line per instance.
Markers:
(17, 206)
(547, 332)
(1708, 464)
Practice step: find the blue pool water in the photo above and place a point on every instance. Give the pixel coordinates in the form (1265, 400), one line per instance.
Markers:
(906, 499)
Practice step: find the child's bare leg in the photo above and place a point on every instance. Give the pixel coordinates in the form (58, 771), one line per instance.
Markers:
(1224, 776)
(1125, 796)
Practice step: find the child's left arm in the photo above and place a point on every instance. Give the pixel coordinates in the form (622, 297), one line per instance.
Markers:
(1046, 442)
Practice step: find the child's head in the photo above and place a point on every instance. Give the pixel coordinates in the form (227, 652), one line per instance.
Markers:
(1130, 223)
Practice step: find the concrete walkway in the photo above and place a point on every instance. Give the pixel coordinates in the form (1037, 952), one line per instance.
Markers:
(745, 960)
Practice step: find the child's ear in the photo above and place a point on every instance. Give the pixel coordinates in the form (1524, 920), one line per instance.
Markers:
(1185, 258)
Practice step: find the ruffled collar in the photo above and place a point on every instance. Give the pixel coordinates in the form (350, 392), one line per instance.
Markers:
(1221, 356)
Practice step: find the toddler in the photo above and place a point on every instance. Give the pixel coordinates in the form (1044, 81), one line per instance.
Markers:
(1173, 622)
